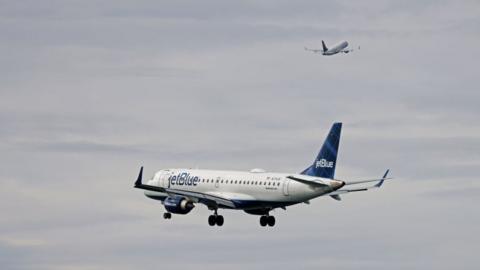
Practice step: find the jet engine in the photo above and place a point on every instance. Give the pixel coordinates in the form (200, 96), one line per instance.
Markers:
(178, 205)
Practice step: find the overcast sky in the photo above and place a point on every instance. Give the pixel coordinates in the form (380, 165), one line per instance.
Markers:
(92, 90)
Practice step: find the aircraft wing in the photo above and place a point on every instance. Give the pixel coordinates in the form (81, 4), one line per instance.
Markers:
(313, 50)
(207, 199)
(380, 181)
(349, 50)
(204, 198)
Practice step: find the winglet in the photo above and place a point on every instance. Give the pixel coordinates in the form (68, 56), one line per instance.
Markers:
(139, 178)
(379, 184)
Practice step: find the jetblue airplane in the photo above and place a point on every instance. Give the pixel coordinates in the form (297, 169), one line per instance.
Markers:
(256, 192)
(340, 47)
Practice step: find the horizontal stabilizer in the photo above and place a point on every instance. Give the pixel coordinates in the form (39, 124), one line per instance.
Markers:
(377, 185)
(379, 180)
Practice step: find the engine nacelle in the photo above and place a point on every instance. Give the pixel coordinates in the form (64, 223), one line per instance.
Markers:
(178, 205)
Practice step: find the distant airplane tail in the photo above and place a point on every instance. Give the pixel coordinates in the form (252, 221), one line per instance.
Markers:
(324, 164)
(324, 46)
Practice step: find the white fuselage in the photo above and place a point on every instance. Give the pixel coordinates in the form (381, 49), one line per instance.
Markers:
(249, 190)
(337, 48)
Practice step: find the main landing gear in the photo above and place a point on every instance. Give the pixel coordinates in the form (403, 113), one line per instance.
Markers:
(267, 220)
(215, 219)
(167, 215)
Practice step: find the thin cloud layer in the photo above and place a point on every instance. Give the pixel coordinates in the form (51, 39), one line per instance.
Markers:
(92, 91)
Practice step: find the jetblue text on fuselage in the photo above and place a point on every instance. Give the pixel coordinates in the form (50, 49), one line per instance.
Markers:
(183, 179)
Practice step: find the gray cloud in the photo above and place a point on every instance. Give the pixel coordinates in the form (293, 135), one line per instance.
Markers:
(90, 91)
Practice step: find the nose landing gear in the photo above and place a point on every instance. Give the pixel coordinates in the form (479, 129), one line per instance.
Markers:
(167, 215)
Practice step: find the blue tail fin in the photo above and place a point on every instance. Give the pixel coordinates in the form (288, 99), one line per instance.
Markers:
(324, 164)
(324, 46)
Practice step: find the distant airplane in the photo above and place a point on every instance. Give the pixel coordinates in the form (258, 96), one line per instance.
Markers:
(340, 47)
(256, 192)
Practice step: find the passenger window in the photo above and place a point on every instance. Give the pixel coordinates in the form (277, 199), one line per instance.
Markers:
(222, 181)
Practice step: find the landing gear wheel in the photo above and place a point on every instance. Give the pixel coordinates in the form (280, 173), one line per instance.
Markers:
(219, 220)
(167, 215)
(211, 220)
(271, 221)
(263, 221)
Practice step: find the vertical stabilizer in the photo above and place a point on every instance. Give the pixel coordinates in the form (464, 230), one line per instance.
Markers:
(324, 46)
(324, 164)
